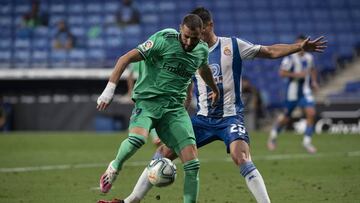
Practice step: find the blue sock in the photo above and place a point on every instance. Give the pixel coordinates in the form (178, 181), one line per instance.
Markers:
(157, 155)
(309, 131)
(246, 168)
(277, 128)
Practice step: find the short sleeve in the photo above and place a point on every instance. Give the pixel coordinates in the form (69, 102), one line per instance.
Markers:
(206, 59)
(286, 64)
(152, 46)
(247, 49)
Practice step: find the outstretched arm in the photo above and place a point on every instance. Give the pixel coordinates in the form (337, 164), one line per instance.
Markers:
(281, 50)
(207, 76)
(105, 98)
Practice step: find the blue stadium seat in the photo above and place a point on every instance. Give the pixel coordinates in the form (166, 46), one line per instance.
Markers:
(58, 8)
(111, 7)
(22, 43)
(94, 19)
(5, 44)
(95, 43)
(94, 7)
(110, 19)
(5, 21)
(58, 58)
(76, 8)
(5, 8)
(95, 58)
(55, 18)
(22, 58)
(41, 32)
(75, 20)
(41, 43)
(39, 58)
(21, 8)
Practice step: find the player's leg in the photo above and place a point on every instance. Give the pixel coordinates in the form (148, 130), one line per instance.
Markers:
(155, 138)
(309, 131)
(237, 142)
(175, 130)
(136, 139)
(143, 185)
(240, 154)
(280, 123)
(203, 134)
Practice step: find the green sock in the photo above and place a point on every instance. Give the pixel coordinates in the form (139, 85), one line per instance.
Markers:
(191, 183)
(127, 148)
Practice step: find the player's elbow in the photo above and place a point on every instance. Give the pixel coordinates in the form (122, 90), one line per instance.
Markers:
(269, 52)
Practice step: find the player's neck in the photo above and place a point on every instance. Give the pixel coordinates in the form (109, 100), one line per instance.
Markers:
(212, 40)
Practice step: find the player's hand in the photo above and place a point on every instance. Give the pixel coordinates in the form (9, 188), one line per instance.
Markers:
(106, 96)
(317, 45)
(301, 74)
(214, 96)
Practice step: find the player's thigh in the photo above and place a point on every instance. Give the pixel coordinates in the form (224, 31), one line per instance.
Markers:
(205, 132)
(175, 130)
(289, 107)
(235, 130)
(141, 121)
(239, 151)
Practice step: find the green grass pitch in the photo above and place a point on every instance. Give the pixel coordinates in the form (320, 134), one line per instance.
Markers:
(65, 167)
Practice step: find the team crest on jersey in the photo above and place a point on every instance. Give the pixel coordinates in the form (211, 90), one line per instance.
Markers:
(147, 45)
(227, 51)
(215, 69)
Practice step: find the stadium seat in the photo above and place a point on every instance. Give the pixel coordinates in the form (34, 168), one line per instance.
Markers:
(76, 8)
(39, 58)
(58, 58)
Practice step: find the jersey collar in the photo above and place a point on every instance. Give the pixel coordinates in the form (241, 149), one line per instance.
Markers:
(215, 45)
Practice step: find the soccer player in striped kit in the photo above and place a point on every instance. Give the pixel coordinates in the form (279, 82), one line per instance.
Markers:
(301, 77)
(225, 121)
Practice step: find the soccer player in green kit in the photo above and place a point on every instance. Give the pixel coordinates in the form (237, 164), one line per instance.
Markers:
(169, 60)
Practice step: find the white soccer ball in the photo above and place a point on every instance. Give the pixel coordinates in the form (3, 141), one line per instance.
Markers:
(161, 172)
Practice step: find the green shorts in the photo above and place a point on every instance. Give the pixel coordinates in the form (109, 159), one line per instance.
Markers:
(172, 123)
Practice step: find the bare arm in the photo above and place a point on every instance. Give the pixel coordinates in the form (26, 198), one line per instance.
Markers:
(207, 76)
(314, 78)
(122, 63)
(281, 50)
(188, 95)
(105, 98)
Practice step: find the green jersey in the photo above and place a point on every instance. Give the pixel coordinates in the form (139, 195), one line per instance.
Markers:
(167, 69)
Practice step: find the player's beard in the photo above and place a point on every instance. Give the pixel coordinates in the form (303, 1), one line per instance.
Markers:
(188, 48)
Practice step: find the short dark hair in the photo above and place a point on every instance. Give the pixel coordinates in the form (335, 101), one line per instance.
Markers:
(203, 13)
(301, 37)
(192, 21)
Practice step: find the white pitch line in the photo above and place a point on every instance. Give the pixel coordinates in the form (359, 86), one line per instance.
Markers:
(144, 163)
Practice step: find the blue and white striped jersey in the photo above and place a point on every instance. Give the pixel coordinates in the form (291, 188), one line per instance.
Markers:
(298, 88)
(225, 60)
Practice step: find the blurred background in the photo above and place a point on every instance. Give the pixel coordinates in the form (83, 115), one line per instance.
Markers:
(56, 56)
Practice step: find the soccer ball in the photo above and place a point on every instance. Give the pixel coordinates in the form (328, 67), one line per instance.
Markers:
(161, 172)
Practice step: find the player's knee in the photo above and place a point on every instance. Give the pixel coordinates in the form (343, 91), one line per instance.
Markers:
(188, 153)
(139, 131)
(240, 157)
(166, 152)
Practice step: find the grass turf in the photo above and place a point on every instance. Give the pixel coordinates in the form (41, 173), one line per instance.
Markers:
(66, 168)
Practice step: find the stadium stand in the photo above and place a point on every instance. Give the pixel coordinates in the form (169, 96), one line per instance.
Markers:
(99, 41)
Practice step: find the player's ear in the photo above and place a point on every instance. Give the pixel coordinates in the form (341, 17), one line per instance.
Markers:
(211, 23)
